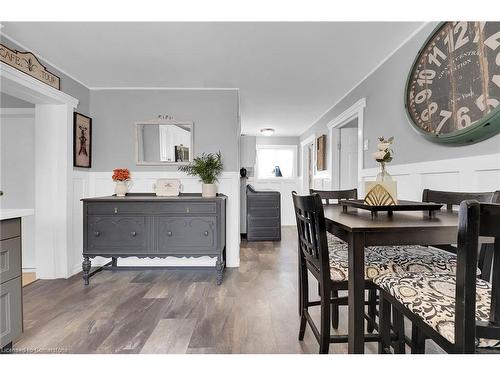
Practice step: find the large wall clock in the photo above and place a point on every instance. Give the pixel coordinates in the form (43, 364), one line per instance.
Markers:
(453, 89)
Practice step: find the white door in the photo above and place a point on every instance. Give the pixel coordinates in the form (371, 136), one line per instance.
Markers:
(348, 158)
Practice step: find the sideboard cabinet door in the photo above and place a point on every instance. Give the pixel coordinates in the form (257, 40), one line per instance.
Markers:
(120, 233)
(189, 235)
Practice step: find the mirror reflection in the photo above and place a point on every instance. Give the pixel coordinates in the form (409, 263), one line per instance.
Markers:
(162, 143)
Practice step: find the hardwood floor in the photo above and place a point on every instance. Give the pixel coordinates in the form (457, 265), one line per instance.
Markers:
(28, 278)
(176, 311)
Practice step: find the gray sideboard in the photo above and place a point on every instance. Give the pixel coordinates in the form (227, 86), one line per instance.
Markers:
(146, 226)
(11, 295)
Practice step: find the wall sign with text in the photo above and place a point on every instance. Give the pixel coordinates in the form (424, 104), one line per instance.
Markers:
(453, 89)
(27, 63)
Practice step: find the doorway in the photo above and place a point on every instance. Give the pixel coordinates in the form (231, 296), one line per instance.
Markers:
(53, 171)
(17, 172)
(307, 147)
(348, 147)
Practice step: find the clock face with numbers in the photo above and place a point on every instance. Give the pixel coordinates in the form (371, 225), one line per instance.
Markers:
(453, 90)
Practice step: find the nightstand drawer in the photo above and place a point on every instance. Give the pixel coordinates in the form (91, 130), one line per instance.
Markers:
(10, 259)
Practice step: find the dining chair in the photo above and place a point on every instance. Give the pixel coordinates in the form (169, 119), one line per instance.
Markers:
(338, 257)
(459, 312)
(318, 256)
(438, 258)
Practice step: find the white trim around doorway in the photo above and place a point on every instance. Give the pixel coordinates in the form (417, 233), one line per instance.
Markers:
(351, 113)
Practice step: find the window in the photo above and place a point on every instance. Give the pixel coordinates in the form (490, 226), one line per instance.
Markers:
(272, 158)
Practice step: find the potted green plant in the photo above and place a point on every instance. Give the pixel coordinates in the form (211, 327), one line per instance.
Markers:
(207, 167)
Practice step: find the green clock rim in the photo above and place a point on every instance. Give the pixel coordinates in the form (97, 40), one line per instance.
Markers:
(469, 135)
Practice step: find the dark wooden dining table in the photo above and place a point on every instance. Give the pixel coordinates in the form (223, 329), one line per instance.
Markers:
(359, 229)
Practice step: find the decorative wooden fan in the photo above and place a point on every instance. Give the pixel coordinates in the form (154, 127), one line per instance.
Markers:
(379, 196)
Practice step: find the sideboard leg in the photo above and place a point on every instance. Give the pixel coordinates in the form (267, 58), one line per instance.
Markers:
(86, 270)
(219, 266)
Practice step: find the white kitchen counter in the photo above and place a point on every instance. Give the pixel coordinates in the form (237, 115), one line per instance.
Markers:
(10, 213)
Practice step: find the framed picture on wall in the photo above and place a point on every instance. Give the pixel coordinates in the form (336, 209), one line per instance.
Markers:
(82, 141)
(321, 153)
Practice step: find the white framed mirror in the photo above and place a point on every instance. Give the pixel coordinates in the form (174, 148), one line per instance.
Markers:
(160, 142)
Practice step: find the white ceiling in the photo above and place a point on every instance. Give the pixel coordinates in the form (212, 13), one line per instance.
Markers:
(288, 74)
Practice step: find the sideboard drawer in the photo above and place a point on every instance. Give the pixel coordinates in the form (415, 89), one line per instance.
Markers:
(185, 208)
(116, 208)
(11, 315)
(118, 233)
(187, 234)
(10, 228)
(10, 259)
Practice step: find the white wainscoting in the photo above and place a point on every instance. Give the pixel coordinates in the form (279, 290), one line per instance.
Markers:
(94, 184)
(285, 186)
(476, 173)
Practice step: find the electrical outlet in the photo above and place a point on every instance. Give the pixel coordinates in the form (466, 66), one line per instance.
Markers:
(366, 145)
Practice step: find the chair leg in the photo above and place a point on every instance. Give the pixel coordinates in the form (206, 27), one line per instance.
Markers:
(335, 310)
(384, 328)
(324, 342)
(372, 308)
(303, 298)
(417, 340)
(399, 328)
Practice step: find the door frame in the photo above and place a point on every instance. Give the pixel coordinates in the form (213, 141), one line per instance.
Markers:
(356, 111)
(53, 170)
(305, 162)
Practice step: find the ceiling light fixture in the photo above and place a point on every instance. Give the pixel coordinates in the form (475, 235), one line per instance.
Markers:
(267, 131)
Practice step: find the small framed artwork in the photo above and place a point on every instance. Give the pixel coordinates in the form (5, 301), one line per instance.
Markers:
(321, 153)
(82, 141)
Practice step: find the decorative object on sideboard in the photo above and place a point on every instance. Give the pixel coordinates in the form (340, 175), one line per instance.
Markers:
(123, 183)
(82, 141)
(453, 89)
(167, 187)
(321, 153)
(207, 167)
(29, 64)
(382, 191)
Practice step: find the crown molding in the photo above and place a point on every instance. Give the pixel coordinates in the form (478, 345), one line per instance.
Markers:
(124, 88)
(17, 112)
(382, 62)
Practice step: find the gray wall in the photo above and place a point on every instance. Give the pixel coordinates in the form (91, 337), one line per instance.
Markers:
(68, 85)
(7, 101)
(114, 112)
(385, 113)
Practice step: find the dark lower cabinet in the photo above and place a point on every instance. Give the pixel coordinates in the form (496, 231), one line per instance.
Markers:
(263, 215)
(11, 297)
(144, 225)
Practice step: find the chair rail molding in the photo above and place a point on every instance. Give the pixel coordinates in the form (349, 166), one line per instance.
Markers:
(354, 111)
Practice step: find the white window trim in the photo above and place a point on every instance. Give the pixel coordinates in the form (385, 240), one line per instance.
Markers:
(283, 147)
(351, 113)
